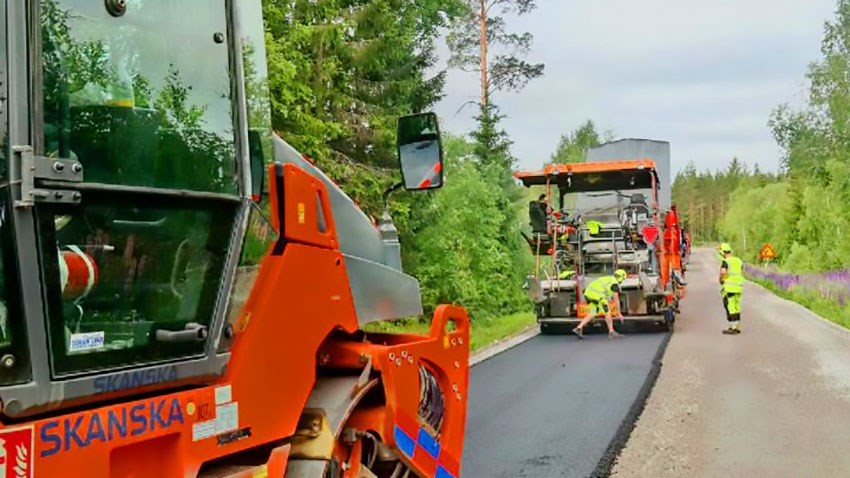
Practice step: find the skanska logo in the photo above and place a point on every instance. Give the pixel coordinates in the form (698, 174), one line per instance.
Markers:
(123, 381)
(83, 429)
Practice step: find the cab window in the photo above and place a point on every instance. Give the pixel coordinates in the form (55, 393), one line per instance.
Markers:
(130, 284)
(140, 98)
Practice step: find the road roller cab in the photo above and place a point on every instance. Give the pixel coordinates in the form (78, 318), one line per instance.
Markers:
(182, 293)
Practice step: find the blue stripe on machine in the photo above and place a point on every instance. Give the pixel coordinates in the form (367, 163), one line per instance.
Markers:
(404, 441)
(442, 473)
(429, 444)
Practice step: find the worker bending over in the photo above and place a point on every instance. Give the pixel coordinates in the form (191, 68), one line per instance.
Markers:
(598, 295)
(732, 283)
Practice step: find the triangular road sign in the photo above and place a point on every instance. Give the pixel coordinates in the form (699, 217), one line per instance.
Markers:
(767, 252)
(649, 233)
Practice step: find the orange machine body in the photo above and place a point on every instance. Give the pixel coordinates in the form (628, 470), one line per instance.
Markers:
(671, 259)
(302, 295)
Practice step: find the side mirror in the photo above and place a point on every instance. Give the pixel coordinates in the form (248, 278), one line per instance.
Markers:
(258, 170)
(420, 152)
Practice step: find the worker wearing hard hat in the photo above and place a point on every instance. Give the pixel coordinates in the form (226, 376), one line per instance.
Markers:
(599, 294)
(732, 283)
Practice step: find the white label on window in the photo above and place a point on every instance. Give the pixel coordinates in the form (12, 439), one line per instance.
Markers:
(642, 217)
(226, 418)
(203, 430)
(86, 341)
(223, 395)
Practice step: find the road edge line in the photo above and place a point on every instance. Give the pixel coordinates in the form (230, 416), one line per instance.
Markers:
(621, 437)
(503, 345)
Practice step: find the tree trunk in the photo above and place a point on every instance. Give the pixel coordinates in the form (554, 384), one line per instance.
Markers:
(319, 56)
(482, 25)
(691, 213)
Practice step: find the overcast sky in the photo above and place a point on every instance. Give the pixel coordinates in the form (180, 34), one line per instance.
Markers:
(702, 74)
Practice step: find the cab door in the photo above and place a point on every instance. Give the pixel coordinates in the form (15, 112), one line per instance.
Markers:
(15, 365)
(132, 181)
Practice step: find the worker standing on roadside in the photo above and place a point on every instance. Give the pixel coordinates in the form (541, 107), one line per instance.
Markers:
(732, 282)
(598, 295)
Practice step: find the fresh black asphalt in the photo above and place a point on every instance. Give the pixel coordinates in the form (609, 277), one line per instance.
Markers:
(551, 406)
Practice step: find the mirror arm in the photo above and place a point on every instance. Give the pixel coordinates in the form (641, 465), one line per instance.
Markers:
(386, 195)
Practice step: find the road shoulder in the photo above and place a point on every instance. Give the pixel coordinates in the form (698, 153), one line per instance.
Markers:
(504, 344)
(772, 401)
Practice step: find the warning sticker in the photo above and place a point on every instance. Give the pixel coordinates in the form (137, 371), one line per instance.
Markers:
(223, 395)
(227, 418)
(203, 430)
(16, 452)
(301, 213)
(86, 341)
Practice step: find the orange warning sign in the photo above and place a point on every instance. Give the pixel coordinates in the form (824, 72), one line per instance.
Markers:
(767, 252)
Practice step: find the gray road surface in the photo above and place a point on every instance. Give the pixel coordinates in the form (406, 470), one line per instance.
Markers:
(771, 402)
(550, 406)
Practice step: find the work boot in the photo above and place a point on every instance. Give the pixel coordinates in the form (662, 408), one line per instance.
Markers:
(578, 332)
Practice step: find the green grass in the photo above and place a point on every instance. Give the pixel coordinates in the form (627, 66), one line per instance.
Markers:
(827, 309)
(483, 333)
(403, 326)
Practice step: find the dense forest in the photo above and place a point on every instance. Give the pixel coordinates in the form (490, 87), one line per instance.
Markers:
(342, 71)
(803, 210)
(704, 198)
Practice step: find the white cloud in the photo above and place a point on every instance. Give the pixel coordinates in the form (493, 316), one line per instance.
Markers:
(702, 74)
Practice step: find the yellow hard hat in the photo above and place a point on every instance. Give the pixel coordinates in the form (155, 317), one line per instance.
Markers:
(620, 275)
(725, 248)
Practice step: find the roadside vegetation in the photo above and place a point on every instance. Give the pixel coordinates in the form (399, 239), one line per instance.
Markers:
(826, 294)
(486, 331)
(340, 74)
(802, 210)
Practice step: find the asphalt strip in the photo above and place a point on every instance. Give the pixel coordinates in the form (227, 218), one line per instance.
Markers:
(621, 437)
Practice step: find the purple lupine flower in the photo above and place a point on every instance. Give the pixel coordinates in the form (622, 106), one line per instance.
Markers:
(833, 285)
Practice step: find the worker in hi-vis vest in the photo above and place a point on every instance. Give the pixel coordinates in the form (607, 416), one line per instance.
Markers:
(732, 283)
(598, 295)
